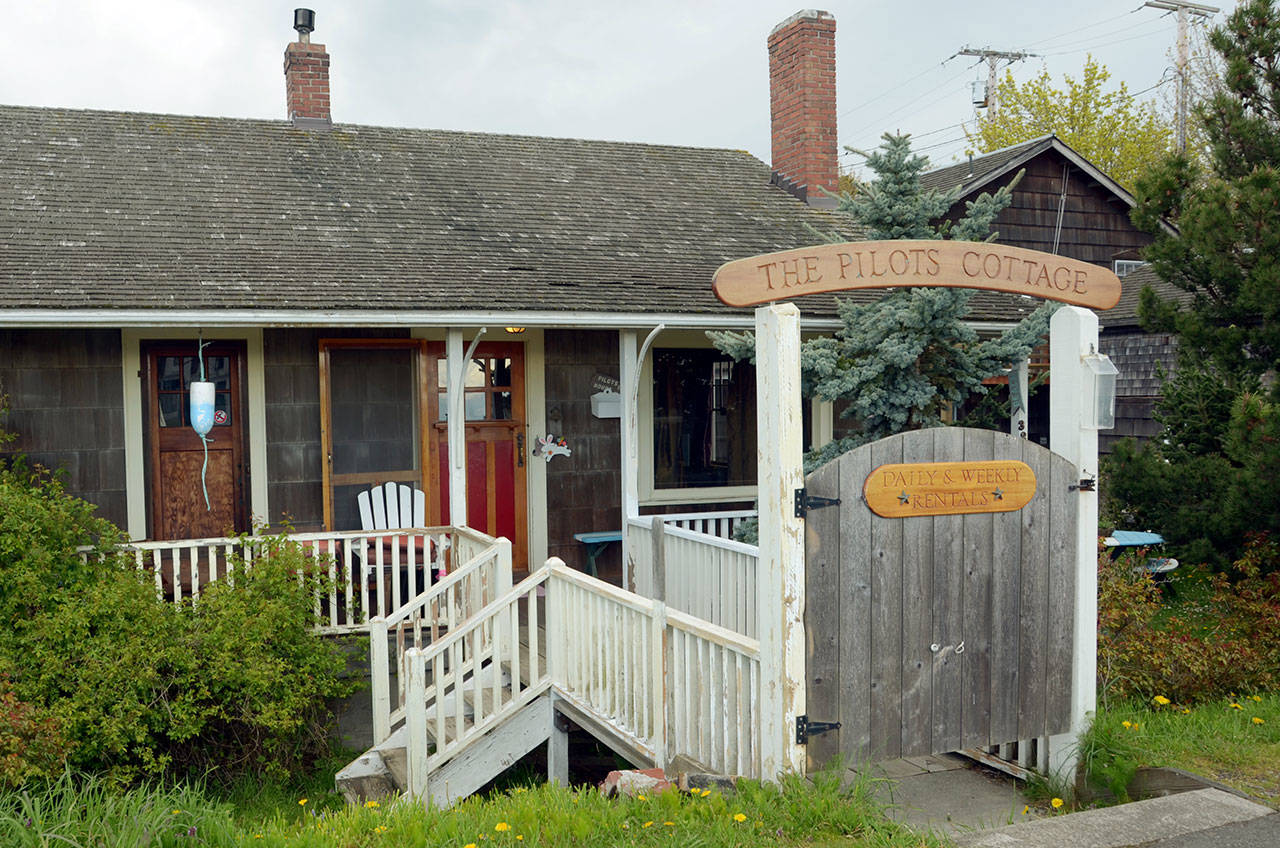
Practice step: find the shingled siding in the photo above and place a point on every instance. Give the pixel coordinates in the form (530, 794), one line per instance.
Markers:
(1095, 224)
(295, 487)
(1139, 357)
(66, 403)
(584, 490)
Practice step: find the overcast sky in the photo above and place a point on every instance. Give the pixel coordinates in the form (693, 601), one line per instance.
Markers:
(687, 73)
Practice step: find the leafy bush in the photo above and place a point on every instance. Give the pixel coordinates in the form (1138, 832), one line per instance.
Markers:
(1190, 653)
(32, 745)
(141, 686)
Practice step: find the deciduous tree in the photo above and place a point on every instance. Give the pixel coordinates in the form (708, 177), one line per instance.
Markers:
(1118, 133)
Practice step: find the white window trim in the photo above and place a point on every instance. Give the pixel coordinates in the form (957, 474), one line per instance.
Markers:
(650, 494)
(131, 340)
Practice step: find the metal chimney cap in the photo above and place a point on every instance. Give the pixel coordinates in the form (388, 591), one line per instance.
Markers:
(304, 21)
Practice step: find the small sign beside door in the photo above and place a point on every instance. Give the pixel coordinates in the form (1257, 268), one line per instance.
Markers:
(949, 488)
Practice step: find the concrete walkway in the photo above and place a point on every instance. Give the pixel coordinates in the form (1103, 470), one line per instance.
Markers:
(980, 808)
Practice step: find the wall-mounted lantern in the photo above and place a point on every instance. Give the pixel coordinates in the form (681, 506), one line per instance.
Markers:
(1102, 374)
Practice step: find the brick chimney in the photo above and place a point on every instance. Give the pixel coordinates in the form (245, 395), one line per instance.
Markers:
(802, 105)
(306, 76)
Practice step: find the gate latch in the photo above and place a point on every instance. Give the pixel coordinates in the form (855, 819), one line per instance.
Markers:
(1086, 484)
(806, 728)
(806, 502)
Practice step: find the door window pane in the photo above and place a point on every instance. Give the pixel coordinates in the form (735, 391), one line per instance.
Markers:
(169, 373)
(171, 410)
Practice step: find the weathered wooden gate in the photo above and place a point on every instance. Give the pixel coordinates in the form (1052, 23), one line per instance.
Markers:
(938, 632)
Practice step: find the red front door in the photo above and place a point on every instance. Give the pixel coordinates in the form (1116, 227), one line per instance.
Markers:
(495, 427)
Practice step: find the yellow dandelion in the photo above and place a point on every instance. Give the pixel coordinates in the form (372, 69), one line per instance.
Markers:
(1186, 711)
(382, 828)
(641, 798)
(519, 837)
(647, 824)
(704, 793)
(502, 827)
(739, 817)
(302, 802)
(1026, 809)
(1161, 700)
(1135, 726)
(1257, 698)
(177, 812)
(469, 845)
(626, 826)
(372, 805)
(1056, 803)
(668, 824)
(1257, 720)
(1126, 724)
(1236, 706)
(520, 789)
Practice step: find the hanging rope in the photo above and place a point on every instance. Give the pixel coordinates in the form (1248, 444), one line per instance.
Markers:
(204, 439)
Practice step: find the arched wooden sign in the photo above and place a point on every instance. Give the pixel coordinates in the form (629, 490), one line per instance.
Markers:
(891, 264)
(949, 488)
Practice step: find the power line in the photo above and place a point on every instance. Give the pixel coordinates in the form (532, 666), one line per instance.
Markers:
(887, 92)
(1077, 30)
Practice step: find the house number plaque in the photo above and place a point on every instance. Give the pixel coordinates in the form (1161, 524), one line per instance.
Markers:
(949, 488)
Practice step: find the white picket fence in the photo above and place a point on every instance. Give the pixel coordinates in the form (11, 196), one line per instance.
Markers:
(355, 575)
(708, 576)
(667, 682)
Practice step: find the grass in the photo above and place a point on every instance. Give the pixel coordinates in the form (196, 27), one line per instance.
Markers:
(1235, 741)
(89, 812)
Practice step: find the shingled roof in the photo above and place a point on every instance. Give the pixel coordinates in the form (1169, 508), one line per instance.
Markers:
(116, 211)
(974, 174)
(138, 211)
(1125, 312)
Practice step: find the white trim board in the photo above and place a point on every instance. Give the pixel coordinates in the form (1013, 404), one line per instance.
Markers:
(131, 340)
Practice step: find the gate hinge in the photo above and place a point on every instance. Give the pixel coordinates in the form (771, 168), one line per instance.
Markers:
(806, 502)
(806, 728)
(1086, 484)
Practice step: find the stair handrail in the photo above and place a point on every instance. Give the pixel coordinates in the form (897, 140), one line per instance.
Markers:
(504, 646)
(498, 555)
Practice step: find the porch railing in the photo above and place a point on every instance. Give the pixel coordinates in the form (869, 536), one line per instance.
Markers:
(669, 683)
(354, 576)
(706, 576)
(423, 621)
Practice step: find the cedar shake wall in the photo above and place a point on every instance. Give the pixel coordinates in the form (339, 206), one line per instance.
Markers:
(292, 375)
(584, 490)
(1139, 357)
(1093, 229)
(66, 403)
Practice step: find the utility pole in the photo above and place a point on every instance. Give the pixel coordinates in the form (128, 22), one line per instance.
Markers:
(993, 58)
(1183, 8)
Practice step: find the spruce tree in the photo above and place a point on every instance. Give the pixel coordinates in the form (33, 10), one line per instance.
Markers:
(899, 361)
(1203, 483)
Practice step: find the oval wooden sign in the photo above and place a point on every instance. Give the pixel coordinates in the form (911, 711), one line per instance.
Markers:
(949, 488)
(891, 264)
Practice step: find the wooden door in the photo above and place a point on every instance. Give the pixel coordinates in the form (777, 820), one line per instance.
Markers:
(494, 406)
(929, 634)
(176, 456)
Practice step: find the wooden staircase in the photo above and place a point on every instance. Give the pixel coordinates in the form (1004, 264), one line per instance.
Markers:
(650, 683)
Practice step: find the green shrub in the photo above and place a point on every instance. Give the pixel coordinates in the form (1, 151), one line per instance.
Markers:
(1190, 653)
(231, 685)
(32, 744)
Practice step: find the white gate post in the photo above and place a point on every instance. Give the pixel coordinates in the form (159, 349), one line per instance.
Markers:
(1073, 433)
(780, 587)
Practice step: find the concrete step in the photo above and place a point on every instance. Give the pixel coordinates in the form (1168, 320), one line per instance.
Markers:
(1167, 820)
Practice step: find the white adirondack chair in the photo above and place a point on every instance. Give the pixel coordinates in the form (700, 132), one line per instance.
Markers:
(392, 507)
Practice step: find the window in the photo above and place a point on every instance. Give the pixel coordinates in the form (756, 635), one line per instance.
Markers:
(1125, 266)
(704, 420)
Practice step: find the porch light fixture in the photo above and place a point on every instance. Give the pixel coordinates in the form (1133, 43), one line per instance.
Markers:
(1102, 374)
(515, 331)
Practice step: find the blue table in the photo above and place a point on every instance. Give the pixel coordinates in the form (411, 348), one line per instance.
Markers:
(596, 543)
